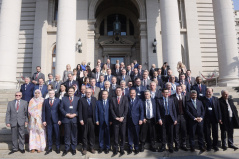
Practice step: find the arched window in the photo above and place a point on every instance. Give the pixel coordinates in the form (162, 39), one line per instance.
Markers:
(53, 60)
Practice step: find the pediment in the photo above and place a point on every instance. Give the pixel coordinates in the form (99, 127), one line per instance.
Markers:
(117, 41)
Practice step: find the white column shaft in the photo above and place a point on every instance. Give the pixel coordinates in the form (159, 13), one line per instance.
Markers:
(66, 35)
(171, 42)
(226, 40)
(9, 33)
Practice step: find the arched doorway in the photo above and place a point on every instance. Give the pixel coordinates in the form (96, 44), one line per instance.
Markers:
(123, 44)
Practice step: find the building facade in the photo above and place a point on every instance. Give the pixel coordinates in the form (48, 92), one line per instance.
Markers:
(47, 33)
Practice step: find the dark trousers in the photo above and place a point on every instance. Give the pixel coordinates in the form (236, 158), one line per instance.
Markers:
(148, 128)
(119, 129)
(167, 131)
(104, 136)
(89, 133)
(133, 135)
(70, 135)
(18, 137)
(194, 125)
(227, 131)
(50, 128)
(180, 130)
(209, 124)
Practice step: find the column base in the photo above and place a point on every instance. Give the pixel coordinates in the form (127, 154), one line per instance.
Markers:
(8, 85)
(228, 82)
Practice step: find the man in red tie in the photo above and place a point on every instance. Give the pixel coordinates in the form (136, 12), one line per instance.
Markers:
(119, 111)
(200, 88)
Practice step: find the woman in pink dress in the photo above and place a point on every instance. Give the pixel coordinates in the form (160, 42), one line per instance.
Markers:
(37, 133)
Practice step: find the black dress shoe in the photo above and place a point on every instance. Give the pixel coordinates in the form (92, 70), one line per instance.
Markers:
(107, 151)
(129, 151)
(184, 148)
(202, 149)
(208, 148)
(84, 152)
(215, 148)
(73, 152)
(142, 148)
(115, 152)
(153, 149)
(11, 152)
(136, 152)
(64, 153)
(192, 149)
(57, 151)
(48, 151)
(234, 147)
(100, 150)
(176, 149)
(224, 148)
(22, 151)
(170, 150)
(122, 152)
(162, 149)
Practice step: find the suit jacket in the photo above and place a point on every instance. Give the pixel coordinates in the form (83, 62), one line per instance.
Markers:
(40, 75)
(161, 109)
(81, 81)
(133, 77)
(194, 113)
(166, 79)
(108, 79)
(215, 107)
(129, 73)
(51, 114)
(28, 93)
(225, 115)
(151, 72)
(153, 101)
(93, 75)
(83, 109)
(127, 79)
(160, 82)
(96, 93)
(116, 73)
(136, 111)
(13, 117)
(188, 87)
(148, 83)
(102, 114)
(115, 86)
(111, 94)
(44, 90)
(175, 99)
(203, 88)
(141, 73)
(157, 95)
(57, 87)
(126, 92)
(192, 81)
(119, 110)
(101, 87)
(140, 91)
(65, 109)
(67, 84)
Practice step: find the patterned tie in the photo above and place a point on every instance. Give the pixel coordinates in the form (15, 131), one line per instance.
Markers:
(200, 88)
(166, 106)
(118, 99)
(148, 109)
(17, 105)
(37, 75)
(40, 87)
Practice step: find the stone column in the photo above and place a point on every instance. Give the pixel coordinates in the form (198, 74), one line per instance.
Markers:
(226, 42)
(66, 35)
(171, 42)
(9, 33)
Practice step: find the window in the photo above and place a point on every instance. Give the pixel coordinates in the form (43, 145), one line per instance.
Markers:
(53, 60)
(56, 10)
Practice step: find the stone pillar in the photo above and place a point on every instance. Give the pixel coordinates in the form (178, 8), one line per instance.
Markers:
(9, 33)
(171, 42)
(226, 42)
(66, 35)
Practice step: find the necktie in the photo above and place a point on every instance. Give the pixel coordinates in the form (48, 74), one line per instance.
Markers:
(148, 109)
(104, 104)
(37, 75)
(179, 97)
(93, 91)
(26, 86)
(108, 78)
(166, 107)
(56, 84)
(200, 88)
(51, 102)
(194, 103)
(189, 80)
(40, 87)
(123, 92)
(118, 99)
(88, 100)
(132, 101)
(17, 105)
(144, 83)
(123, 78)
(152, 94)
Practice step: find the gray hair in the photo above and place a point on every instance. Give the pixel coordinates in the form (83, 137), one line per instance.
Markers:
(153, 82)
(18, 92)
(223, 91)
(122, 81)
(107, 82)
(168, 83)
(70, 73)
(27, 77)
(193, 92)
(146, 91)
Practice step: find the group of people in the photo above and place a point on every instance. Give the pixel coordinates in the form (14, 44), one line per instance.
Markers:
(121, 102)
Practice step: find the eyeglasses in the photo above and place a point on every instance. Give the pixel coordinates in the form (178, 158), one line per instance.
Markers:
(18, 95)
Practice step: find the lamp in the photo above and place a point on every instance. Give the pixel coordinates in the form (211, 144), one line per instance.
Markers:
(154, 45)
(79, 45)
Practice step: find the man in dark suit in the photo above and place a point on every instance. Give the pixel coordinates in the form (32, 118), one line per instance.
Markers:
(109, 65)
(103, 119)
(37, 75)
(100, 84)
(124, 77)
(191, 80)
(125, 91)
(135, 75)
(167, 78)
(149, 122)
(42, 87)
(211, 119)
(185, 92)
(27, 90)
(96, 75)
(57, 84)
(139, 88)
(159, 79)
(180, 129)
(154, 93)
(152, 70)
(111, 93)
(134, 120)
(129, 71)
(17, 119)
(51, 118)
(119, 110)
(230, 120)
(183, 81)
(82, 93)
(82, 79)
(200, 88)
(69, 111)
(109, 76)
(87, 108)
(195, 111)
(117, 71)
(167, 118)
(95, 89)
(70, 82)
(114, 84)
(145, 80)
(141, 71)
(50, 79)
